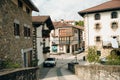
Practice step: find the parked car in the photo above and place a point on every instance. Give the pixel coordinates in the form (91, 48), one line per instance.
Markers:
(103, 60)
(79, 50)
(49, 62)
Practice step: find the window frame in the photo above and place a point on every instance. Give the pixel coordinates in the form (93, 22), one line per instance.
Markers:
(114, 15)
(97, 16)
(16, 29)
(20, 4)
(28, 11)
(97, 38)
(97, 26)
(113, 27)
(27, 31)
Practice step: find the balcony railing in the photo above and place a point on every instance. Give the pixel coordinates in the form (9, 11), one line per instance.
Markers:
(64, 42)
(107, 44)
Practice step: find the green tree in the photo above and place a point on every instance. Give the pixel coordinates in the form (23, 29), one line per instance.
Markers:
(79, 23)
(92, 55)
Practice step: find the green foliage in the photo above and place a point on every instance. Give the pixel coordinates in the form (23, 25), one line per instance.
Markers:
(35, 62)
(10, 64)
(92, 55)
(113, 59)
(79, 23)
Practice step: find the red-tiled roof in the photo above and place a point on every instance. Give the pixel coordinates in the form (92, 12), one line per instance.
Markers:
(63, 24)
(40, 19)
(107, 6)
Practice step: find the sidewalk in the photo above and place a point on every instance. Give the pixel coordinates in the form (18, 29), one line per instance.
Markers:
(66, 73)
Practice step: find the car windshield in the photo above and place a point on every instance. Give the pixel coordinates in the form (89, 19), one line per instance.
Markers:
(50, 59)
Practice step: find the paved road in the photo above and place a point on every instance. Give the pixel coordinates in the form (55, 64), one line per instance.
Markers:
(60, 71)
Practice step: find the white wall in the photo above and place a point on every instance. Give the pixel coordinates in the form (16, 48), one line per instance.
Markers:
(105, 32)
(39, 45)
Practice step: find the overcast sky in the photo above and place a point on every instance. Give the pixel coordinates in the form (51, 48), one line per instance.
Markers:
(64, 9)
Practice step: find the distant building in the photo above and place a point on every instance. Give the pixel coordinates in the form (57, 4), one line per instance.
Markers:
(66, 38)
(16, 31)
(42, 26)
(102, 26)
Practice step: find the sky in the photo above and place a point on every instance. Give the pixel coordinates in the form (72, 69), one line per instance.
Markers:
(64, 9)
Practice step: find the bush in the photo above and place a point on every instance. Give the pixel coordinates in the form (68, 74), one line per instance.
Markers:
(35, 63)
(113, 59)
(92, 55)
(9, 64)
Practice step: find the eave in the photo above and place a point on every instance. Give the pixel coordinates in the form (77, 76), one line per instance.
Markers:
(97, 11)
(31, 5)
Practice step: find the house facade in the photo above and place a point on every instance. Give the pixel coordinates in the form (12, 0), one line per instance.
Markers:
(66, 38)
(102, 26)
(42, 26)
(16, 31)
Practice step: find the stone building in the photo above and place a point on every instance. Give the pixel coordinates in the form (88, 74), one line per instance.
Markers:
(66, 38)
(16, 31)
(102, 26)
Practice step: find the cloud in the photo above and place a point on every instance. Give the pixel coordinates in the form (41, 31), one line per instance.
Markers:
(64, 9)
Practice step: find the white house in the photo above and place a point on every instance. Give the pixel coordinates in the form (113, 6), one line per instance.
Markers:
(65, 38)
(43, 26)
(102, 26)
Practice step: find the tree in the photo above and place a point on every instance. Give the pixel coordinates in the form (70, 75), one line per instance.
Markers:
(79, 23)
(92, 55)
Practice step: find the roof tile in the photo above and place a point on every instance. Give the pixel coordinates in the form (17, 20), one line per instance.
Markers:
(114, 4)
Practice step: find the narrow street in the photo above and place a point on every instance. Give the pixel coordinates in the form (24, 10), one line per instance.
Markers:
(60, 71)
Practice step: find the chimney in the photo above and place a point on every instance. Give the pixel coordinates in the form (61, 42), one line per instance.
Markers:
(62, 20)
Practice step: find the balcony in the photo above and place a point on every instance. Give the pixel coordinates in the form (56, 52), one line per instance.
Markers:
(45, 33)
(64, 42)
(107, 44)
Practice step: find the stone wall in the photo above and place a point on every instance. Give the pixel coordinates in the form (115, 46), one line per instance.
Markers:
(10, 46)
(97, 72)
(20, 74)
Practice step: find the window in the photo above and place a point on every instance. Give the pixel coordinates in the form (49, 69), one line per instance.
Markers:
(99, 53)
(27, 10)
(75, 31)
(114, 15)
(16, 29)
(97, 26)
(26, 31)
(114, 25)
(0, 22)
(20, 4)
(98, 39)
(97, 16)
